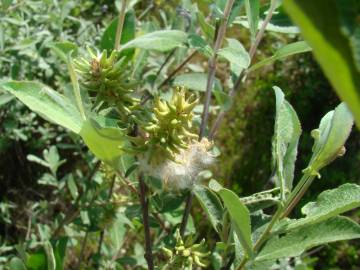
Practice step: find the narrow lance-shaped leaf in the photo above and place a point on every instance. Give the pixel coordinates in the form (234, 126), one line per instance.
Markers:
(43, 100)
(297, 241)
(163, 40)
(252, 8)
(50, 258)
(330, 137)
(287, 132)
(283, 52)
(239, 215)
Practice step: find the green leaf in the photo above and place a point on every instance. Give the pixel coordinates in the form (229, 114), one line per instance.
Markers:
(60, 252)
(287, 132)
(261, 200)
(104, 141)
(128, 33)
(51, 263)
(321, 24)
(5, 98)
(196, 81)
(236, 54)
(117, 232)
(207, 29)
(211, 204)
(63, 49)
(163, 40)
(252, 8)
(328, 204)
(199, 44)
(330, 137)
(17, 264)
(37, 261)
(297, 241)
(283, 52)
(46, 102)
(72, 186)
(239, 215)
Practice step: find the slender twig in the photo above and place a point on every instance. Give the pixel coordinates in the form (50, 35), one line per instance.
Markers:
(243, 73)
(212, 66)
(186, 215)
(83, 245)
(177, 69)
(297, 198)
(102, 233)
(120, 25)
(167, 59)
(161, 222)
(146, 11)
(282, 211)
(229, 263)
(145, 214)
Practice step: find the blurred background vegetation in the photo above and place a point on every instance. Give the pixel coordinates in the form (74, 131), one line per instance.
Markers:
(43, 167)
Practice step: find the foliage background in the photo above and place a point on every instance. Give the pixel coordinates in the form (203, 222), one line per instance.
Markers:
(31, 196)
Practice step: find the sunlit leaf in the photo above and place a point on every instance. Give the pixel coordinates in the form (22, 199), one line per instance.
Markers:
(283, 52)
(287, 132)
(239, 215)
(162, 40)
(43, 100)
(297, 241)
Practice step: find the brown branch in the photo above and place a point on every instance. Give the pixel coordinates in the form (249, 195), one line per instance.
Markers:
(145, 214)
(177, 69)
(212, 66)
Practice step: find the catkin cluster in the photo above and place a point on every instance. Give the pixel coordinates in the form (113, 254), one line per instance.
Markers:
(169, 131)
(174, 153)
(108, 77)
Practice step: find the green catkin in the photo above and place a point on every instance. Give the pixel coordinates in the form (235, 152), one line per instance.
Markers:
(109, 79)
(169, 131)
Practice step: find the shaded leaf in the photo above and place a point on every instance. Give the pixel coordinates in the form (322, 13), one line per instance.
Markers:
(128, 33)
(199, 44)
(324, 33)
(211, 204)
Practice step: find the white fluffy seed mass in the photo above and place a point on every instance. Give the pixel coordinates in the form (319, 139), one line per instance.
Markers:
(183, 172)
